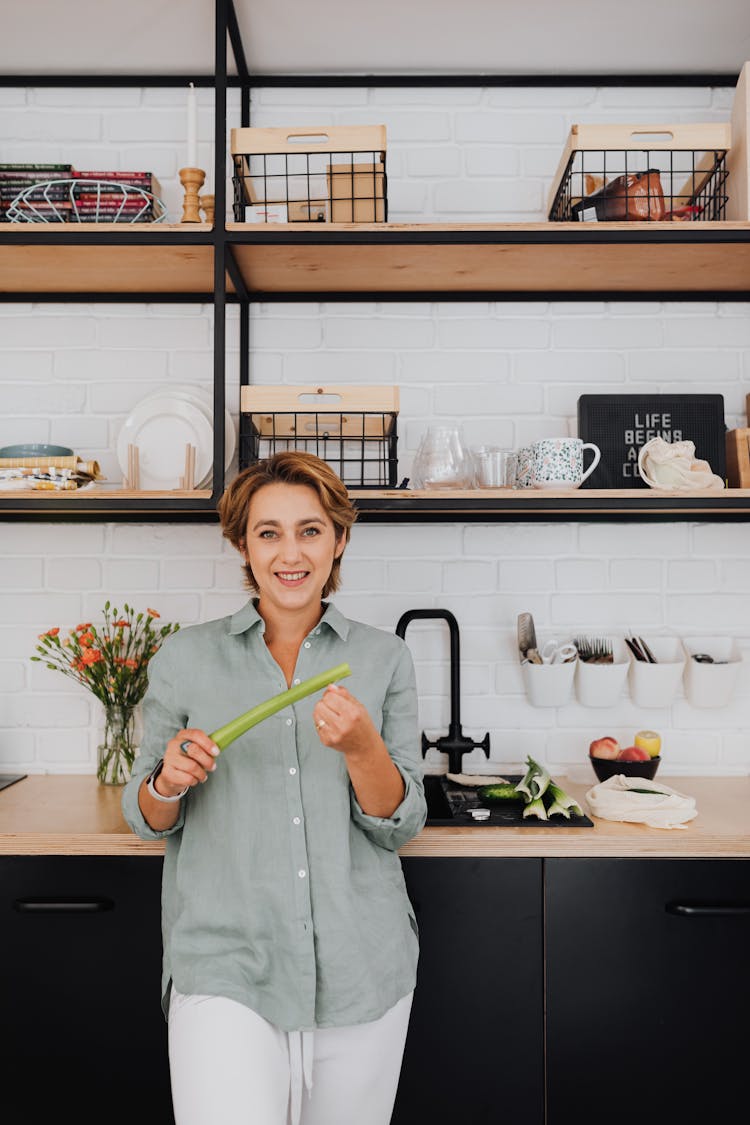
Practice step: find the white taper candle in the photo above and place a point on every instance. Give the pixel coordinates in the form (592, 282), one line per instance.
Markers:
(192, 128)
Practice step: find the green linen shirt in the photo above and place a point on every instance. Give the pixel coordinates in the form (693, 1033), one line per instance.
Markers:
(278, 891)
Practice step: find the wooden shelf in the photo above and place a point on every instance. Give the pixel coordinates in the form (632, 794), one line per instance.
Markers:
(91, 259)
(447, 260)
(390, 260)
(403, 505)
(478, 505)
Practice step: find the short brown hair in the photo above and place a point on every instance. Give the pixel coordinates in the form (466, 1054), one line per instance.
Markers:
(289, 467)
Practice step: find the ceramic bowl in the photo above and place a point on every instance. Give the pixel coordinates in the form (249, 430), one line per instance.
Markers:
(605, 767)
(36, 450)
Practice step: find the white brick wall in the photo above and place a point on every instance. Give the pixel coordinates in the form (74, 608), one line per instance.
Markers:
(510, 371)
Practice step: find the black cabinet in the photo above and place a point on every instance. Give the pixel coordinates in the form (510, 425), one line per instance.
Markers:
(84, 1035)
(475, 1047)
(648, 990)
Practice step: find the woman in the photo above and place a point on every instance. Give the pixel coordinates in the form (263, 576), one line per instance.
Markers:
(290, 945)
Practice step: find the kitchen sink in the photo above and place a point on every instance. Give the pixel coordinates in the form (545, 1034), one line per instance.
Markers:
(449, 805)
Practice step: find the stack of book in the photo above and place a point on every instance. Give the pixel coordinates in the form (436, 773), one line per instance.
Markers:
(53, 204)
(63, 193)
(113, 197)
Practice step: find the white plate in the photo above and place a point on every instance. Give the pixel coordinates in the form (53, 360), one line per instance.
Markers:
(204, 399)
(161, 426)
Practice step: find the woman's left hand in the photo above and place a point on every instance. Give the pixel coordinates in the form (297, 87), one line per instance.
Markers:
(343, 723)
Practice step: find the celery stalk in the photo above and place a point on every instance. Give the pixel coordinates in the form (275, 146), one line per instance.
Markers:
(226, 734)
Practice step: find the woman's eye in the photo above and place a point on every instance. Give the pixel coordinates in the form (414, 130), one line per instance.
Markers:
(267, 534)
(311, 531)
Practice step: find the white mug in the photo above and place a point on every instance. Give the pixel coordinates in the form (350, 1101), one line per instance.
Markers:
(558, 462)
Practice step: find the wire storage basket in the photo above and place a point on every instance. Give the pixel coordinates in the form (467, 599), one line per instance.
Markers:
(642, 173)
(82, 200)
(330, 174)
(353, 429)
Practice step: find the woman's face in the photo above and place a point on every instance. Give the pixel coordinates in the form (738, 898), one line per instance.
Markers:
(290, 543)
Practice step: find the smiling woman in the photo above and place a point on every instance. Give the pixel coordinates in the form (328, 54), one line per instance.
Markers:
(283, 851)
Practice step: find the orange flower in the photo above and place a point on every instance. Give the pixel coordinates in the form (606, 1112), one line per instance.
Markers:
(91, 656)
(131, 663)
(86, 640)
(121, 624)
(51, 632)
(152, 612)
(83, 628)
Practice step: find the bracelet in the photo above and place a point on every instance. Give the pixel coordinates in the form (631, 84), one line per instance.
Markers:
(152, 788)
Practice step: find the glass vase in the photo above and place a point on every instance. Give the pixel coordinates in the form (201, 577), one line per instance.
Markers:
(116, 752)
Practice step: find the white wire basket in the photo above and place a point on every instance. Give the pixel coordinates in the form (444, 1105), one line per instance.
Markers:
(85, 201)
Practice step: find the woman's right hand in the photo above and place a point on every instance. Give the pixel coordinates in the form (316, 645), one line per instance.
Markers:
(188, 759)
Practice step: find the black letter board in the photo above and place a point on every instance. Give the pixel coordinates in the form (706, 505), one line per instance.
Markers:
(621, 424)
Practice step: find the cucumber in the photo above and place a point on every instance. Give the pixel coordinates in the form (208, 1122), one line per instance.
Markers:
(505, 792)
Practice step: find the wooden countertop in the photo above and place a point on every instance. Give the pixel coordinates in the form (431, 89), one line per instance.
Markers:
(71, 814)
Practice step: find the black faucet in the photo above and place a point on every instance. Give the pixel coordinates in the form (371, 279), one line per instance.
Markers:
(454, 743)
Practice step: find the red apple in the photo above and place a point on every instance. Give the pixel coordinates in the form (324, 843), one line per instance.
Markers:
(604, 748)
(633, 754)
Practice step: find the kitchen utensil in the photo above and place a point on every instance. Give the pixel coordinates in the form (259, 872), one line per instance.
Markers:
(527, 637)
(555, 653)
(649, 654)
(594, 650)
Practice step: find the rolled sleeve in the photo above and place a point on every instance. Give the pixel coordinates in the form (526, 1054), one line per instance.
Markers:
(401, 736)
(161, 720)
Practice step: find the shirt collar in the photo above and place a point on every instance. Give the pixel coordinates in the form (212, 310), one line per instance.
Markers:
(248, 617)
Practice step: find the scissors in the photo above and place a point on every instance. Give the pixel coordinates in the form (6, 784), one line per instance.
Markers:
(554, 653)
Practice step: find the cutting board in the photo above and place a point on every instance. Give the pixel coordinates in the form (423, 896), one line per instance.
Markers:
(461, 798)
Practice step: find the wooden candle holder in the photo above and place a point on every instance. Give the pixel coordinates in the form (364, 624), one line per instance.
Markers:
(207, 207)
(192, 180)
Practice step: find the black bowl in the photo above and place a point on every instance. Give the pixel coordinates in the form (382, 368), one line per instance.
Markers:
(605, 767)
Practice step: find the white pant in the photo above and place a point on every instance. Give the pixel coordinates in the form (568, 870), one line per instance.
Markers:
(229, 1066)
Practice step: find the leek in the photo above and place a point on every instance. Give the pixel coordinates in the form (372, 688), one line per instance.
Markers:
(543, 796)
(562, 802)
(226, 734)
(535, 781)
(536, 808)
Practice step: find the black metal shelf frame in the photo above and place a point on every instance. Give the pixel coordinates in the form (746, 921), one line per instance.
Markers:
(223, 241)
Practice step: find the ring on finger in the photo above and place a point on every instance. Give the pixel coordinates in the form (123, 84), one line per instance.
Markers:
(184, 746)
(320, 724)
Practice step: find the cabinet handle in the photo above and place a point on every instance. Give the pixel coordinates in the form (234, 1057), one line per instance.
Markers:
(65, 904)
(709, 909)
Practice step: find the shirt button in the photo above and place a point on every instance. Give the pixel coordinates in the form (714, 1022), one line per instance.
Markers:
(296, 820)
(292, 770)
(289, 722)
(297, 681)
(317, 633)
(307, 644)
(301, 874)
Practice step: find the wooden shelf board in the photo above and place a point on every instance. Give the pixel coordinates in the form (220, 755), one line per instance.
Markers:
(388, 258)
(477, 258)
(42, 258)
(544, 503)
